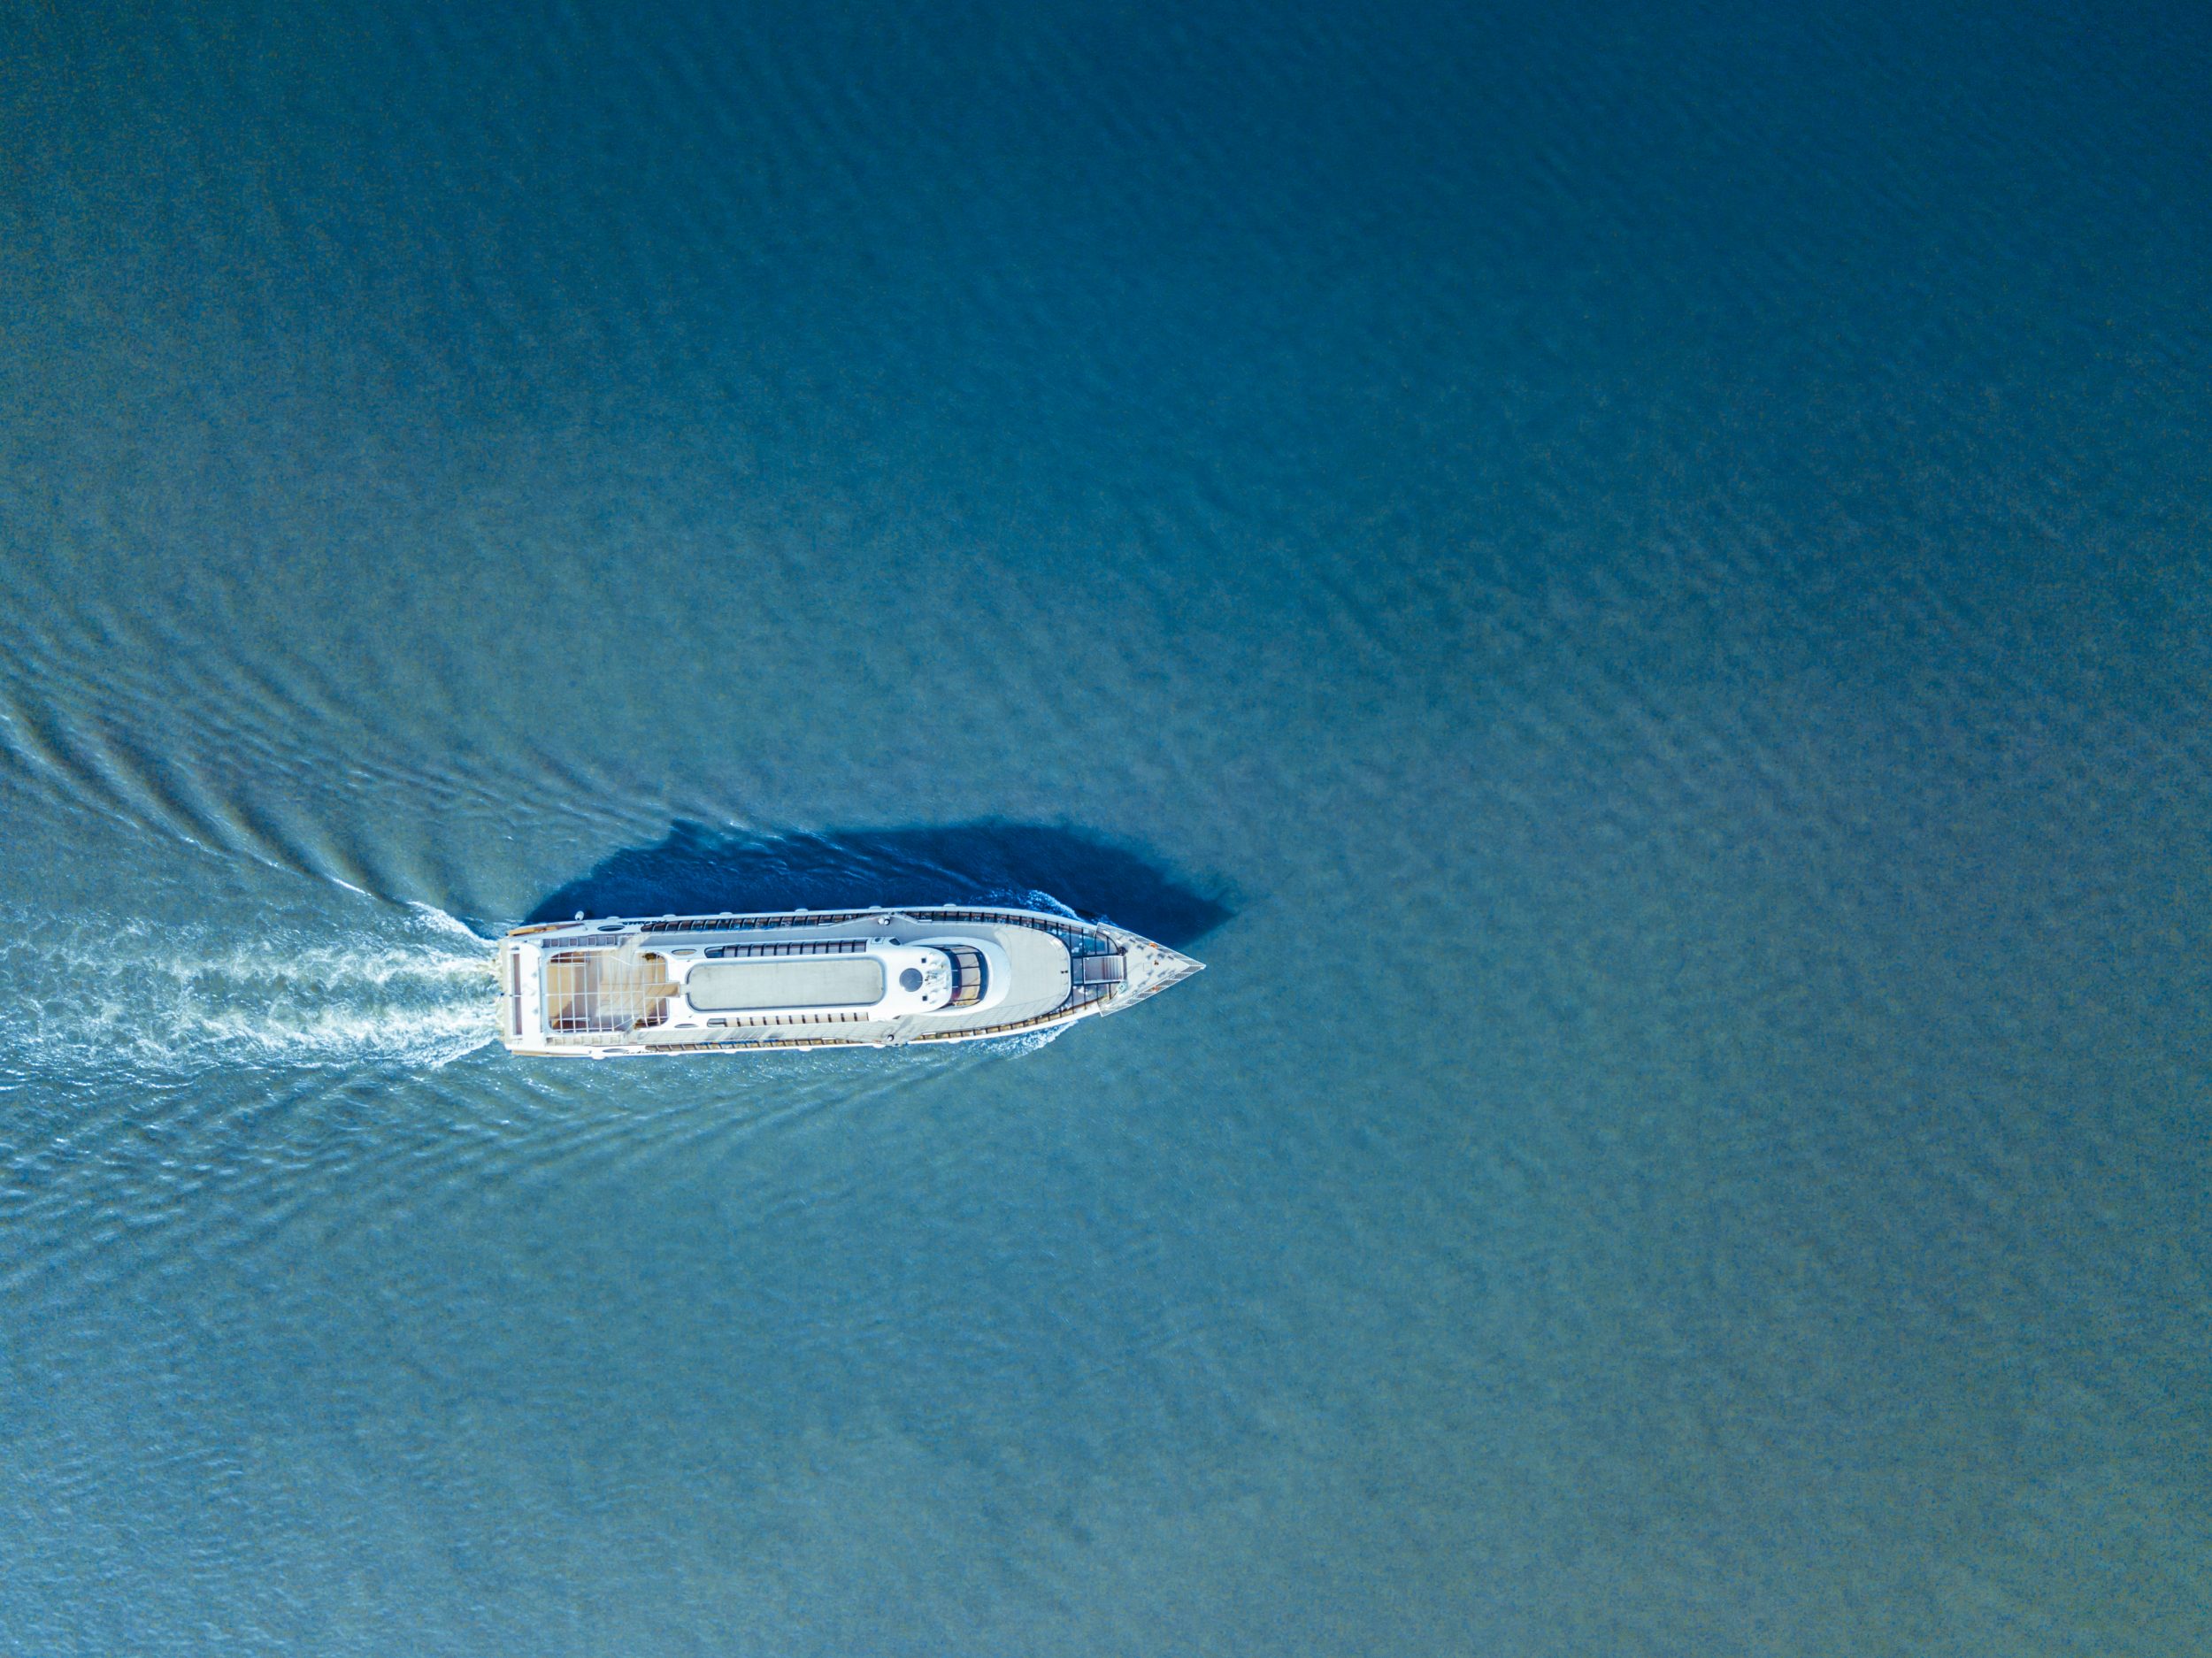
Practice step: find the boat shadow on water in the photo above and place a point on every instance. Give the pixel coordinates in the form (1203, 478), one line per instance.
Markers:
(698, 870)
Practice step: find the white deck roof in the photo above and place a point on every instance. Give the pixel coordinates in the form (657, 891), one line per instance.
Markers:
(790, 984)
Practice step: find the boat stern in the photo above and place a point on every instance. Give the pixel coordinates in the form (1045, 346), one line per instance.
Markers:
(521, 998)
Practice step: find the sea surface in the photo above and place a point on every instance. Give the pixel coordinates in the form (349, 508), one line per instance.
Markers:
(1636, 580)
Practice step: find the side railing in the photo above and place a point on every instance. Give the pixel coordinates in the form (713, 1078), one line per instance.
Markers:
(1098, 971)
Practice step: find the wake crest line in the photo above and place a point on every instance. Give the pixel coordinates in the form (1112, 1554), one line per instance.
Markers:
(413, 987)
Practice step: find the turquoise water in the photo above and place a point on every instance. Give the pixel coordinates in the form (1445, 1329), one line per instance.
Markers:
(1634, 580)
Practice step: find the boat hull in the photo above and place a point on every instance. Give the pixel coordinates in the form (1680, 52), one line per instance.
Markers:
(616, 987)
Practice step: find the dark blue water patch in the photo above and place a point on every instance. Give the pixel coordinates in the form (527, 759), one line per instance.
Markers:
(1669, 541)
(700, 869)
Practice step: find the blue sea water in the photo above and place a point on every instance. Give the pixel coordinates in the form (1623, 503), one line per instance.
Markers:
(1632, 578)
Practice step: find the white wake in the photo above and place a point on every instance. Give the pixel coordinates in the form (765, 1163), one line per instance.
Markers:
(407, 986)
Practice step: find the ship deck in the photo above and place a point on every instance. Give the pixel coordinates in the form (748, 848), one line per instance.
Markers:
(620, 995)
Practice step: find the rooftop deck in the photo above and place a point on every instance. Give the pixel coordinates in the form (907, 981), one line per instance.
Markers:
(606, 985)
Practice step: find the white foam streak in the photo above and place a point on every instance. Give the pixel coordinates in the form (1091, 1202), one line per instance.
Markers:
(409, 987)
(1023, 1042)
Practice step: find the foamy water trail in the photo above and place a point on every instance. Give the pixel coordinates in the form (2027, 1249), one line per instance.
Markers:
(409, 986)
(1025, 1041)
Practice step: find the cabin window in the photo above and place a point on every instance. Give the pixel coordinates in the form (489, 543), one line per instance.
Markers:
(968, 976)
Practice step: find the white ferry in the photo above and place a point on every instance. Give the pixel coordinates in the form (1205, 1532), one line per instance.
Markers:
(874, 978)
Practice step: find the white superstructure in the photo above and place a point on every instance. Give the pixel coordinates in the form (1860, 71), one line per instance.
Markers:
(797, 979)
